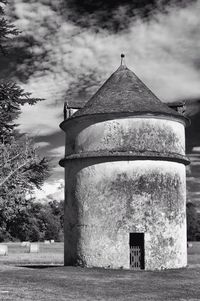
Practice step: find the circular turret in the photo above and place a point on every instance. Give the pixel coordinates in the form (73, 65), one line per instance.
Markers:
(125, 179)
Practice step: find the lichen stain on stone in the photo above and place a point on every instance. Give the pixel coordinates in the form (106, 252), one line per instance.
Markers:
(145, 137)
(154, 187)
(107, 201)
(132, 134)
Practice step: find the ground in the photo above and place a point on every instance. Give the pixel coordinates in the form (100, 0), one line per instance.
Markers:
(42, 277)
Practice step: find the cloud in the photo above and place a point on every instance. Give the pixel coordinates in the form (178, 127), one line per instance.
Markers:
(59, 169)
(42, 144)
(40, 119)
(65, 61)
(115, 15)
(196, 149)
(58, 152)
(194, 159)
(194, 155)
(51, 191)
(164, 52)
(57, 174)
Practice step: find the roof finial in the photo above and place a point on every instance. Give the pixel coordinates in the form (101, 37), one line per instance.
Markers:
(122, 59)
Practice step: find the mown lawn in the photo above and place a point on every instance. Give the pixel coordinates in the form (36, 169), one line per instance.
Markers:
(48, 254)
(47, 282)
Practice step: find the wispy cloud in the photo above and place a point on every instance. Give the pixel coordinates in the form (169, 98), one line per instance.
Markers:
(196, 149)
(42, 144)
(68, 61)
(164, 52)
(40, 119)
(51, 191)
(58, 152)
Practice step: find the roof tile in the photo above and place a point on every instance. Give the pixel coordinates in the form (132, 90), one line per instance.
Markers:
(124, 92)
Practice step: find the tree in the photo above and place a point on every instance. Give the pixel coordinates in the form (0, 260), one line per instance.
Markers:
(58, 210)
(12, 97)
(21, 168)
(35, 222)
(7, 30)
(193, 223)
(20, 165)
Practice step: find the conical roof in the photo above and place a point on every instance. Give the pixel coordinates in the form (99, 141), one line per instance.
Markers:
(124, 92)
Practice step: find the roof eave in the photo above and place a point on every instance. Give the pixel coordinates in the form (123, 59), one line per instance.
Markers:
(107, 116)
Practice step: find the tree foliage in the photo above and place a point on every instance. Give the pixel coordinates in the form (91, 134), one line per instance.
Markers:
(12, 97)
(7, 30)
(193, 223)
(21, 168)
(36, 222)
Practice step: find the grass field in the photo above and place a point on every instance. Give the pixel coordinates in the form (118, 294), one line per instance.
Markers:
(42, 277)
(48, 254)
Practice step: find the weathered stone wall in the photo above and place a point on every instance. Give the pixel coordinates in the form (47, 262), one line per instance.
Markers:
(105, 201)
(150, 134)
(109, 197)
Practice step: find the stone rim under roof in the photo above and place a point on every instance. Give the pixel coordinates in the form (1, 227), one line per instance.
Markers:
(125, 93)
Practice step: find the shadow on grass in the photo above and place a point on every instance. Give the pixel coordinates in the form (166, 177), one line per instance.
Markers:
(40, 266)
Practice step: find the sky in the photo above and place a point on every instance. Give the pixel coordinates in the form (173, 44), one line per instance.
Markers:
(68, 48)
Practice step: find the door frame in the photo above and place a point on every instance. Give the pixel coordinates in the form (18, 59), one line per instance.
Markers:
(137, 239)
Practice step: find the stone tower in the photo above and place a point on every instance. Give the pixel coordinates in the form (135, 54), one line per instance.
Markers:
(125, 180)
